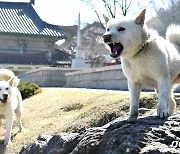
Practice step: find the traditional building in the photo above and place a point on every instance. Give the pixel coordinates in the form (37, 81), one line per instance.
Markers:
(26, 41)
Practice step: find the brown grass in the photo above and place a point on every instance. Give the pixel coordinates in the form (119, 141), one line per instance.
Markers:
(59, 109)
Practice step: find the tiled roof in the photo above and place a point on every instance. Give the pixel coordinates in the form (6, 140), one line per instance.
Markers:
(21, 19)
(24, 58)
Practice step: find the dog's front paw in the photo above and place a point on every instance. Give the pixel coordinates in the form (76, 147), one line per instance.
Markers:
(132, 117)
(163, 114)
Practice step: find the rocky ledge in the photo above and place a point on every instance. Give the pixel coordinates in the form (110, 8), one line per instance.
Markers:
(148, 134)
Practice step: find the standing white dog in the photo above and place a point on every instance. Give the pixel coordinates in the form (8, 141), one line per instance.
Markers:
(10, 101)
(147, 59)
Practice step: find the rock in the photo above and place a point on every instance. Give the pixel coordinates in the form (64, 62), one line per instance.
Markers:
(147, 134)
(62, 143)
(37, 146)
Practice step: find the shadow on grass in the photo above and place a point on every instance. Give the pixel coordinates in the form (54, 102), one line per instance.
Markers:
(3, 148)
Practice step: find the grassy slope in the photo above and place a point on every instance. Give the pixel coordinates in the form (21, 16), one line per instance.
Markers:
(58, 109)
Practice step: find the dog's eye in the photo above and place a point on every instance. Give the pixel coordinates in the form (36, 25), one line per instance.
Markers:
(108, 29)
(7, 88)
(121, 29)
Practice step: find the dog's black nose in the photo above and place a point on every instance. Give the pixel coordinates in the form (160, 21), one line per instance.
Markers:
(5, 96)
(107, 37)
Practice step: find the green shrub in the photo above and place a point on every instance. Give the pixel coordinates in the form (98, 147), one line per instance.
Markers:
(28, 89)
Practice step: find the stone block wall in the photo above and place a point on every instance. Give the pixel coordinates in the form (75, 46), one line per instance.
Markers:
(110, 77)
(47, 76)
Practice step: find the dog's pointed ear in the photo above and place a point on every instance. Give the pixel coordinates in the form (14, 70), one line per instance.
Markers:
(140, 19)
(106, 18)
(11, 81)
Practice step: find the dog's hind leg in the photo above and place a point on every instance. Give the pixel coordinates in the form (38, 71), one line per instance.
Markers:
(171, 104)
(18, 112)
(163, 97)
(134, 89)
(172, 101)
(19, 121)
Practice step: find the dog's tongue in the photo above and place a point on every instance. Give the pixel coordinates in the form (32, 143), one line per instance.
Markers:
(4, 100)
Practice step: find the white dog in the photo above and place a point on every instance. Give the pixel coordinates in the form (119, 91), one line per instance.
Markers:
(147, 59)
(10, 101)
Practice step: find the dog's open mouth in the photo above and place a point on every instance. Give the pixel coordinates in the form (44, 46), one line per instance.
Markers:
(4, 100)
(116, 49)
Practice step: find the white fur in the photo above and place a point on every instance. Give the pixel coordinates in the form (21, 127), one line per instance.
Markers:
(8, 87)
(173, 34)
(157, 65)
(6, 74)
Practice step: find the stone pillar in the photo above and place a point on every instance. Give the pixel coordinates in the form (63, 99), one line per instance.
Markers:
(79, 61)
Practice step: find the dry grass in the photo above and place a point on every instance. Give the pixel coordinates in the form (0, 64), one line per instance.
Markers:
(59, 109)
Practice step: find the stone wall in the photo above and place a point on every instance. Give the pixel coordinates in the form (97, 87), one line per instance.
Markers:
(110, 77)
(47, 76)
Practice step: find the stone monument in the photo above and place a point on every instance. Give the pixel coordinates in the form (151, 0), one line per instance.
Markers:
(79, 61)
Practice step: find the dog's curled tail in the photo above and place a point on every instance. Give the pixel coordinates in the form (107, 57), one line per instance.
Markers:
(173, 34)
(6, 75)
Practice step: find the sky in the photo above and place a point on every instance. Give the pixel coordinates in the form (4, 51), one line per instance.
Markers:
(65, 12)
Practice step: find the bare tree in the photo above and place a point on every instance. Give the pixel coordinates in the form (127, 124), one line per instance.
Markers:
(110, 6)
(124, 5)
